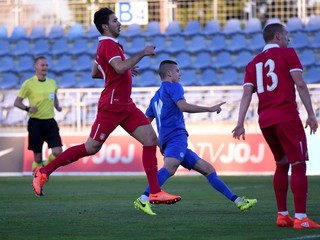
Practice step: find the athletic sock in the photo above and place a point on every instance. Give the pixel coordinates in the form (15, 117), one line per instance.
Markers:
(72, 154)
(150, 164)
(280, 186)
(163, 175)
(51, 157)
(299, 186)
(35, 165)
(220, 186)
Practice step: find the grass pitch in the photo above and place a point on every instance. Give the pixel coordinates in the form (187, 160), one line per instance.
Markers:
(101, 207)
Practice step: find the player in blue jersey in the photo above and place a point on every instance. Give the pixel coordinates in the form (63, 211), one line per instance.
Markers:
(167, 107)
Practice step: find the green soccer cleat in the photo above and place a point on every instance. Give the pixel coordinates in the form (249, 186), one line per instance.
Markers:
(246, 204)
(143, 206)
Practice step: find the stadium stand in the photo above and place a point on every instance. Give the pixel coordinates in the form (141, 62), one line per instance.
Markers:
(208, 77)
(184, 60)
(232, 26)
(68, 80)
(217, 43)
(25, 64)
(60, 46)
(313, 25)
(148, 79)
(152, 30)
(145, 64)
(229, 77)
(178, 44)
(252, 26)
(307, 58)
(3, 32)
(299, 41)
(173, 29)
(9, 81)
(133, 30)
(197, 44)
(86, 81)
(18, 33)
(160, 43)
(7, 64)
(22, 47)
(83, 63)
(37, 32)
(64, 63)
(223, 60)
(237, 43)
(212, 27)
(256, 43)
(294, 24)
(92, 32)
(41, 47)
(79, 46)
(189, 78)
(75, 31)
(242, 59)
(202, 60)
(5, 47)
(192, 28)
(312, 76)
(138, 43)
(56, 32)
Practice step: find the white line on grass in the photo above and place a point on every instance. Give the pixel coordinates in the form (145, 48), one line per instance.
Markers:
(302, 237)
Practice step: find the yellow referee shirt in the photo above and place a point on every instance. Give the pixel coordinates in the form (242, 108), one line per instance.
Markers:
(41, 95)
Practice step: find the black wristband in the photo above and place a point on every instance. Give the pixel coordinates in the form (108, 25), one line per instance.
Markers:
(27, 109)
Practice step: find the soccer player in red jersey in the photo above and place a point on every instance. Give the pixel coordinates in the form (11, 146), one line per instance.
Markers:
(115, 108)
(273, 75)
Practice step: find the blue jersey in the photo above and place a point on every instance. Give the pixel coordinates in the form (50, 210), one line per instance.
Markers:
(163, 107)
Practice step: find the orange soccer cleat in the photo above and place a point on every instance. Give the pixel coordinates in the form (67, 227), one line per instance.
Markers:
(163, 198)
(304, 223)
(39, 179)
(284, 221)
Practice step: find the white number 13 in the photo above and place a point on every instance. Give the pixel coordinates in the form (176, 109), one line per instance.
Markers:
(259, 76)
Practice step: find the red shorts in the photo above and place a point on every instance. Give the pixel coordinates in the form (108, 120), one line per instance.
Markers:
(129, 117)
(287, 139)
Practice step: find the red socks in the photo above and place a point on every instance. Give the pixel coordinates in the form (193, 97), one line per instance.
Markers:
(299, 186)
(72, 154)
(281, 185)
(150, 164)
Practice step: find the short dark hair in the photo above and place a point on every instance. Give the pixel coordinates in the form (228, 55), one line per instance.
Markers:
(270, 30)
(102, 17)
(164, 67)
(36, 59)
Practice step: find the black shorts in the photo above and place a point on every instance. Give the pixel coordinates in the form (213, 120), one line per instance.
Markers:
(41, 131)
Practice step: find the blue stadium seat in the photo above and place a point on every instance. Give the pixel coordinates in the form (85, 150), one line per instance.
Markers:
(83, 63)
(86, 81)
(79, 46)
(152, 29)
(209, 77)
(315, 42)
(25, 63)
(307, 58)
(223, 60)
(299, 41)
(41, 47)
(193, 27)
(92, 48)
(178, 44)
(312, 75)
(137, 45)
(229, 77)
(23, 76)
(294, 24)
(212, 27)
(21, 48)
(9, 81)
(64, 63)
(19, 32)
(173, 29)
(189, 78)
(242, 59)
(232, 26)
(256, 43)
(159, 58)
(160, 43)
(197, 44)
(5, 47)
(75, 31)
(92, 32)
(217, 44)
(145, 64)
(133, 30)
(148, 79)
(237, 43)
(3, 32)
(60, 46)
(202, 60)
(68, 80)
(7, 64)
(37, 32)
(56, 32)
(252, 26)
(184, 60)
(313, 25)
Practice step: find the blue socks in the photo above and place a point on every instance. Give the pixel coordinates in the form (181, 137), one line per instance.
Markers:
(220, 186)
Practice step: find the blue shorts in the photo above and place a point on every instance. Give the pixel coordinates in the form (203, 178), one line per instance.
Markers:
(178, 148)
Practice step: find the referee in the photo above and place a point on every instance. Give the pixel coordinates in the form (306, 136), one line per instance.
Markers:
(41, 93)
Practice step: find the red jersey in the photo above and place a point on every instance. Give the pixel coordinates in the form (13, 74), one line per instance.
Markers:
(269, 74)
(117, 86)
